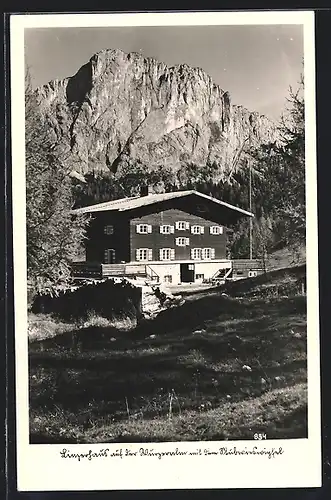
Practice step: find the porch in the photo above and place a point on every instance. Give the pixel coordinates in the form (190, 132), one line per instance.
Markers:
(172, 272)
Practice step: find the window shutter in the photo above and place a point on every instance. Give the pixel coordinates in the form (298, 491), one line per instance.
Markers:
(187, 225)
(187, 241)
(192, 229)
(149, 230)
(150, 254)
(177, 224)
(221, 229)
(172, 229)
(161, 254)
(172, 254)
(161, 229)
(212, 253)
(192, 253)
(137, 254)
(202, 229)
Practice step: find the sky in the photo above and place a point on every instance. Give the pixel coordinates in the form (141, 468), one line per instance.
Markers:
(256, 64)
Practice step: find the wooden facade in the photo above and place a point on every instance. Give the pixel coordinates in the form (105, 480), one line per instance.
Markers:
(156, 240)
(98, 241)
(125, 240)
(247, 268)
(175, 237)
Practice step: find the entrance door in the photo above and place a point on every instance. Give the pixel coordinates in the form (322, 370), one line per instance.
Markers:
(187, 272)
(109, 256)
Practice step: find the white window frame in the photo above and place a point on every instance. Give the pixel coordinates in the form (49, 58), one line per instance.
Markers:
(108, 229)
(200, 276)
(167, 280)
(167, 253)
(208, 253)
(181, 241)
(196, 253)
(140, 228)
(252, 274)
(182, 225)
(147, 251)
(106, 255)
(216, 230)
(196, 229)
(167, 229)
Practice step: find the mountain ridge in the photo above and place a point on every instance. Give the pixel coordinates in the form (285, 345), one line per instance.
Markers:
(123, 110)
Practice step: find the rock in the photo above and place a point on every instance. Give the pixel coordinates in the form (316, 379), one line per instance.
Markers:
(121, 110)
(278, 379)
(263, 381)
(112, 339)
(297, 335)
(228, 396)
(152, 336)
(247, 368)
(199, 332)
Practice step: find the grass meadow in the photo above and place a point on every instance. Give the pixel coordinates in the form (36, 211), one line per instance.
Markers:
(229, 363)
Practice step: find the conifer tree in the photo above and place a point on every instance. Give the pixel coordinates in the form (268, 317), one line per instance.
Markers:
(53, 235)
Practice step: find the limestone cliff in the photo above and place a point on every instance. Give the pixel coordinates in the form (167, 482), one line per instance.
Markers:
(122, 110)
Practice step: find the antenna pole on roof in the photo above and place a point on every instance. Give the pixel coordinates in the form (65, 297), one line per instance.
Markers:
(250, 203)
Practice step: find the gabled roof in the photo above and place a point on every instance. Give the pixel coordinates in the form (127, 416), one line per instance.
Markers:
(126, 204)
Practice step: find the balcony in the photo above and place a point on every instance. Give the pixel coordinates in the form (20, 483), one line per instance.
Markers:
(96, 270)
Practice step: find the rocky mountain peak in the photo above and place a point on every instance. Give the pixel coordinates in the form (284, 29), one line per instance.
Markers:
(122, 110)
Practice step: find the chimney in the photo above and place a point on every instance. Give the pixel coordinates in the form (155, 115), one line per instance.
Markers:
(145, 190)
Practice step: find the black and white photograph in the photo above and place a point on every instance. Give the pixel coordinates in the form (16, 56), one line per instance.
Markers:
(164, 206)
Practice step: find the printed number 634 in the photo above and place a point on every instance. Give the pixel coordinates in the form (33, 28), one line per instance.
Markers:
(260, 436)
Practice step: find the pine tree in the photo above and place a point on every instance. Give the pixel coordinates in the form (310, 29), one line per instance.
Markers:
(292, 153)
(279, 189)
(263, 239)
(53, 235)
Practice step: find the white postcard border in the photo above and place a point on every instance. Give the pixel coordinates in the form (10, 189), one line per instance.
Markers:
(40, 467)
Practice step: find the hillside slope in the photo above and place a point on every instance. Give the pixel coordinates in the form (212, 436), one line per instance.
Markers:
(217, 368)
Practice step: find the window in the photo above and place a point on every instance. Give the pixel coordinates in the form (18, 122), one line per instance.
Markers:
(216, 230)
(196, 253)
(144, 254)
(197, 229)
(200, 277)
(208, 253)
(202, 208)
(167, 229)
(167, 278)
(109, 256)
(182, 242)
(108, 230)
(191, 267)
(167, 253)
(252, 274)
(182, 225)
(144, 228)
